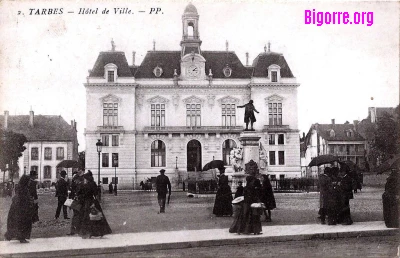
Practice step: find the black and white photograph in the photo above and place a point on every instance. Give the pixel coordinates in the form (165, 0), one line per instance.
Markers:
(199, 128)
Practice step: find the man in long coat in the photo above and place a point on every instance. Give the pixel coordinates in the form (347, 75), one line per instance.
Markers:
(325, 183)
(249, 114)
(62, 194)
(33, 193)
(163, 187)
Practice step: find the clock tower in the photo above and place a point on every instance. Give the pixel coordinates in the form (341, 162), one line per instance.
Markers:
(190, 35)
(192, 62)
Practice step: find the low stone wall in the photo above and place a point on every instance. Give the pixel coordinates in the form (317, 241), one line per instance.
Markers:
(372, 179)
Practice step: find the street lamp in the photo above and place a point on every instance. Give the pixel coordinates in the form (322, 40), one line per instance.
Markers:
(115, 161)
(99, 146)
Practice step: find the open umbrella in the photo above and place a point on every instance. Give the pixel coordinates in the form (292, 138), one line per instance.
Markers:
(323, 159)
(388, 165)
(68, 164)
(214, 164)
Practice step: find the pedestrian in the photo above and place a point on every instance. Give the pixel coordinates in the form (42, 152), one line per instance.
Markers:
(110, 188)
(249, 114)
(239, 190)
(62, 194)
(250, 222)
(345, 194)
(223, 198)
(93, 221)
(267, 197)
(20, 219)
(34, 195)
(333, 197)
(237, 204)
(76, 185)
(325, 182)
(163, 187)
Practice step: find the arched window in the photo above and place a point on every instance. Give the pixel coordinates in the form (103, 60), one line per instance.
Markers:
(227, 146)
(190, 30)
(158, 154)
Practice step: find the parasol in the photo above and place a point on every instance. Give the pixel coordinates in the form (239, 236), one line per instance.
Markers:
(68, 164)
(214, 164)
(323, 159)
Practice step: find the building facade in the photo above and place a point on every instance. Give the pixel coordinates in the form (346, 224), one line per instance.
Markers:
(342, 140)
(50, 140)
(178, 110)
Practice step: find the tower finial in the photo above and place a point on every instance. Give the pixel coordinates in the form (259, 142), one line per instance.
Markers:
(227, 45)
(265, 48)
(154, 45)
(269, 46)
(112, 45)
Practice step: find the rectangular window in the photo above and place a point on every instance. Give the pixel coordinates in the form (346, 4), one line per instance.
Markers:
(341, 148)
(47, 172)
(60, 153)
(228, 115)
(281, 177)
(273, 177)
(272, 158)
(114, 180)
(271, 138)
(281, 139)
(331, 149)
(34, 168)
(158, 115)
(274, 76)
(110, 114)
(115, 140)
(110, 76)
(281, 157)
(105, 162)
(34, 153)
(115, 159)
(275, 113)
(105, 139)
(193, 115)
(105, 180)
(47, 153)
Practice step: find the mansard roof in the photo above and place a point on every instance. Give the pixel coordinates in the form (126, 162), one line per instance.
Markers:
(340, 132)
(114, 57)
(170, 60)
(46, 128)
(264, 60)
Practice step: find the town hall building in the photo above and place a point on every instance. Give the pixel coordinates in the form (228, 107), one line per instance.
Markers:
(178, 110)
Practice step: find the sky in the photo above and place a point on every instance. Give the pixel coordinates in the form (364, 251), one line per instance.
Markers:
(342, 68)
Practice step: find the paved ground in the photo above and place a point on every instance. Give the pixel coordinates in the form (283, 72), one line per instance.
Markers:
(150, 241)
(382, 246)
(137, 212)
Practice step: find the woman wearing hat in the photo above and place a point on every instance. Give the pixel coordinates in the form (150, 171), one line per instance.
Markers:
(90, 206)
(267, 197)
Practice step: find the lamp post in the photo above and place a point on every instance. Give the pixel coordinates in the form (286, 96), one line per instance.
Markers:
(99, 146)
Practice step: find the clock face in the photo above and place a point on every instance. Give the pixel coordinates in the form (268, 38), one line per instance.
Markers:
(193, 71)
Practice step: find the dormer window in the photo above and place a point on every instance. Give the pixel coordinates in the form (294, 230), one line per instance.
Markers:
(158, 71)
(227, 71)
(274, 72)
(349, 133)
(110, 72)
(110, 76)
(332, 133)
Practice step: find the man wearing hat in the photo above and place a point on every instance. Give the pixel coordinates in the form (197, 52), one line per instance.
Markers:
(163, 186)
(33, 193)
(62, 194)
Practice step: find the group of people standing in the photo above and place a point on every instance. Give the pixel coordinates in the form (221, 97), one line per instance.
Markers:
(83, 191)
(336, 190)
(250, 203)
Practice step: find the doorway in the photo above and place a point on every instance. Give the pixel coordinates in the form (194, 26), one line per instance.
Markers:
(194, 156)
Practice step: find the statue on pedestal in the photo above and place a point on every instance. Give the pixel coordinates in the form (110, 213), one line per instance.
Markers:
(249, 114)
(236, 158)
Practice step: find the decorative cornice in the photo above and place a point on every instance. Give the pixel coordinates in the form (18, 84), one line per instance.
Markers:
(194, 99)
(273, 98)
(278, 86)
(228, 99)
(111, 85)
(110, 98)
(158, 99)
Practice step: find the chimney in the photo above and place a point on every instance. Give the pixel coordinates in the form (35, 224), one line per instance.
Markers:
(31, 118)
(75, 125)
(5, 119)
(304, 135)
(333, 121)
(355, 124)
(133, 57)
(247, 58)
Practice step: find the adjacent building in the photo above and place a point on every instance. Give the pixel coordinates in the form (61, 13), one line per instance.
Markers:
(50, 140)
(178, 110)
(342, 140)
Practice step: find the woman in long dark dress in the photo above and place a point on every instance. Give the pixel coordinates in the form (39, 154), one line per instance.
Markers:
(267, 197)
(250, 222)
(19, 221)
(87, 195)
(223, 198)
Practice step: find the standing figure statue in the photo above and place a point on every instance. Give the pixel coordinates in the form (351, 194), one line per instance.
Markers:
(249, 114)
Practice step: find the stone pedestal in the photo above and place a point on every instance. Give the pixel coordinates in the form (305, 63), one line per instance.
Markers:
(250, 142)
